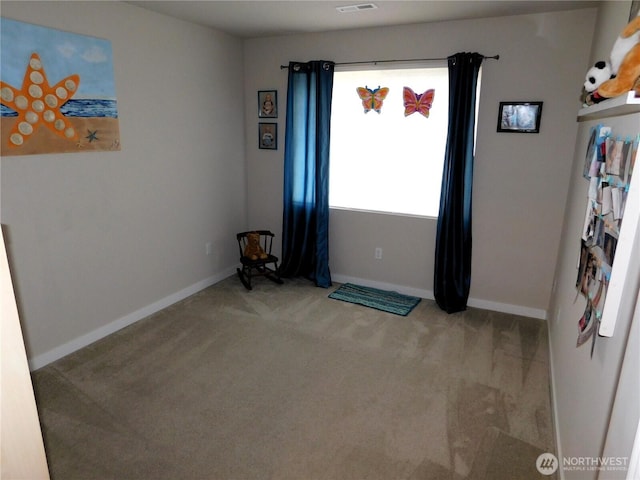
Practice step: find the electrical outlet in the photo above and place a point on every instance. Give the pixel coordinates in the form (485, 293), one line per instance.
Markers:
(207, 248)
(378, 253)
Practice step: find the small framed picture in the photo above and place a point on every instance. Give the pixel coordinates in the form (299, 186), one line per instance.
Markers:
(268, 103)
(519, 117)
(268, 136)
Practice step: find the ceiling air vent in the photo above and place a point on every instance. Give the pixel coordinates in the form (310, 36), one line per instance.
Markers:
(356, 8)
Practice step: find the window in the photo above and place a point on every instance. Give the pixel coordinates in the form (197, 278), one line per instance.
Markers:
(385, 161)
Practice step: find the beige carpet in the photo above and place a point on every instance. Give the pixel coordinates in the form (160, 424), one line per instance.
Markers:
(285, 383)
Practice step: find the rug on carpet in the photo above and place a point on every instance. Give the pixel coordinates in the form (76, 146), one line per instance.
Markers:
(387, 301)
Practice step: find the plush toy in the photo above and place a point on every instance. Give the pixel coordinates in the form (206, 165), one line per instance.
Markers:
(596, 76)
(625, 65)
(626, 41)
(253, 250)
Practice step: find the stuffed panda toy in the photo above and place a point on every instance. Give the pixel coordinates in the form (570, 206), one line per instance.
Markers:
(597, 75)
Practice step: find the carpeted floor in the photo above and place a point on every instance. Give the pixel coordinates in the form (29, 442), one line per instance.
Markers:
(285, 383)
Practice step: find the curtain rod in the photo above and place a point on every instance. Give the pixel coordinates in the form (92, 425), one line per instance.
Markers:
(375, 62)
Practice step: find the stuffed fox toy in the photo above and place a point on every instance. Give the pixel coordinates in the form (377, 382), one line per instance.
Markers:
(625, 62)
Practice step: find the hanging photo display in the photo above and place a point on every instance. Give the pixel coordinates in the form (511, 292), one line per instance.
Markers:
(608, 166)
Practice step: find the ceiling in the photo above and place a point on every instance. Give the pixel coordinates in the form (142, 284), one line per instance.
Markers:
(260, 18)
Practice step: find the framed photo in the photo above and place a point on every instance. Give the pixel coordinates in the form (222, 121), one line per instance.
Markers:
(268, 103)
(268, 136)
(519, 117)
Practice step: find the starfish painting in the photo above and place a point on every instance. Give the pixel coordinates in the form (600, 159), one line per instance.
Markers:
(92, 135)
(37, 103)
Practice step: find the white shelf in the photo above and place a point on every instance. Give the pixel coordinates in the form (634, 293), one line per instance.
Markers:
(620, 105)
(625, 263)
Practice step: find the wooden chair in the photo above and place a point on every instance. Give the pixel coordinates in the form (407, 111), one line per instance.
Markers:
(264, 265)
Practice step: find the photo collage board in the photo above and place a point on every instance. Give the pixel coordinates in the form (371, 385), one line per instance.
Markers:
(608, 166)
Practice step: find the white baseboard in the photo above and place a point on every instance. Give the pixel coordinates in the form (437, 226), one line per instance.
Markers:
(41, 360)
(554, 405)
(508, 308)
(54, 354)
(428, 294)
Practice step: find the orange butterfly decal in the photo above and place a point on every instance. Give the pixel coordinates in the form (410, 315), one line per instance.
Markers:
(372, 99)
(417, 102)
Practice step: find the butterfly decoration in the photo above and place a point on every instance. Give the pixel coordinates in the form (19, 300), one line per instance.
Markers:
(417, 102)
(372, 99)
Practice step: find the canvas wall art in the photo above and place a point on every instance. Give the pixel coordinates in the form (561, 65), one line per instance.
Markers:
(57, 91)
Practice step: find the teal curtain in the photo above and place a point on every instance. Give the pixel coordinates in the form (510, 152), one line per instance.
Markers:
(305, 225)
(452, 273)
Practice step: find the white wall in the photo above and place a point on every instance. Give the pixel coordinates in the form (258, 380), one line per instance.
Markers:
(584, 388)
(97, 240)
(520, 180)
